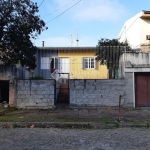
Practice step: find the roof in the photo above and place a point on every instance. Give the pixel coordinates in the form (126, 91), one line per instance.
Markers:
(145, 14)
(67, 48)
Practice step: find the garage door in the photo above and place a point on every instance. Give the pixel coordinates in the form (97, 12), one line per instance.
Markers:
(142, 90)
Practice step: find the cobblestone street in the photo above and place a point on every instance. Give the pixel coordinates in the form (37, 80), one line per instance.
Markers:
(74, 139)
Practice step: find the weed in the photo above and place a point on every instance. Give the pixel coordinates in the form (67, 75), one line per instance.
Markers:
(14, 125)
(117, 125)
(37, 77)
(11, 109)
(147, 125)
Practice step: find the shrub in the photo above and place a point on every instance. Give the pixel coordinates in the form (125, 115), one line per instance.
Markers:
(37, 77)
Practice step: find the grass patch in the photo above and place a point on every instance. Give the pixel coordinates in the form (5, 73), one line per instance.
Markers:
(8, 118)
(107, 120)
(11, 109)
(103, 120)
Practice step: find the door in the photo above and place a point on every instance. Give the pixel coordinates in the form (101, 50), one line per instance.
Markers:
(64, 67)
(142, 90)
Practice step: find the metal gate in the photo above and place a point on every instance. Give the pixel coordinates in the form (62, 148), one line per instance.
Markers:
(62, 91)
(142, 90)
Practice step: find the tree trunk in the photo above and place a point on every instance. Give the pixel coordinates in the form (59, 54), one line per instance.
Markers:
(110, 73)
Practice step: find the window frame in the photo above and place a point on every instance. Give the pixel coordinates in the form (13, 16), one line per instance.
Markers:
(46, 62)
(87, 63)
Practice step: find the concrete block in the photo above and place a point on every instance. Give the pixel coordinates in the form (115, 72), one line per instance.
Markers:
(34, 88)
(79, 91)
(20, 83)
(47, 96)
(28, 96)
(90, 84)
(50, 83)
(71, 84)
(51, 91)
(27, 83)
(51, 97)
(44, 100)
(20, 92)
(46, 88)
(34, 82)
(33, 93)
(79, 100)
(79, 84)
(78, 96)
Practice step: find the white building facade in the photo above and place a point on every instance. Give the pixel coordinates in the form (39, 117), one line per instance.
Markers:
(136, 31)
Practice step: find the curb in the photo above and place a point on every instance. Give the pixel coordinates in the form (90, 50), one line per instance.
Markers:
(69, 125)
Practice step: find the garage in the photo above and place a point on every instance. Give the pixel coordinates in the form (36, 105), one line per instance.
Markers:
(142, 89)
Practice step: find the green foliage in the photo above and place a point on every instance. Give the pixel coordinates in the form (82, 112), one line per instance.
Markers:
(108, 53)
(18, 25)
(37, 77)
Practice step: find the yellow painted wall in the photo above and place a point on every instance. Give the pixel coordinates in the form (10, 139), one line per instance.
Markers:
(76, 71)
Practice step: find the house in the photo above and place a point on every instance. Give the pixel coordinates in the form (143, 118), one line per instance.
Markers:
(77, 62)
(136, 31)
(133, 83)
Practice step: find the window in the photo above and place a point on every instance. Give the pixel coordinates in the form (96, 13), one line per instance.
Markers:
(45, 62)
(88, 63)
(49, 63)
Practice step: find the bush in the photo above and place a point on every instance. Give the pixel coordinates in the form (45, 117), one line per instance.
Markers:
(37, 77)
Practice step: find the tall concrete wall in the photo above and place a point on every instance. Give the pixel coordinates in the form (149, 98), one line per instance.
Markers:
(98, 93)
(35, 93)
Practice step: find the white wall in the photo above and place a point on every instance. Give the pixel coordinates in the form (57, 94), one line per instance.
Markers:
(144, 30)
(135, 31)
(132, 62)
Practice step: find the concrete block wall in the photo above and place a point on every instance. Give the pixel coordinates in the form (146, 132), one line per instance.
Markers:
(96, 92)
(35, 93)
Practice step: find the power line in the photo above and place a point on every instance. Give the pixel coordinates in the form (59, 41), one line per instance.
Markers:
(63, 12)
(41, 3)
(58, 9)
(125, 31)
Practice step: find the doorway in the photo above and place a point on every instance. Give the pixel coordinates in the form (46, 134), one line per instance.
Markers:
(4, 91)
(64, 67)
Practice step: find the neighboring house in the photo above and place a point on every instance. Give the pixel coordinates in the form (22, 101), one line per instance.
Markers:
(136, 31)
(135, 69)
(78, 62)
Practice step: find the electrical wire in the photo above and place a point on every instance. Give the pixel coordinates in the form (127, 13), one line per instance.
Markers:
(125, 31)
(58, 9)
(63, 12)
(41, 3)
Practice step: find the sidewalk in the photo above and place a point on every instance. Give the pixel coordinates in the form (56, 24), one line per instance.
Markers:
(90, 117)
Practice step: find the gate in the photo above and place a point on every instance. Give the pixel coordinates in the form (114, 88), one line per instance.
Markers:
(62, 92)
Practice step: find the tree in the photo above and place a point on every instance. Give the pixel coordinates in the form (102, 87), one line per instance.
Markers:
(108, 53)
(18, 25)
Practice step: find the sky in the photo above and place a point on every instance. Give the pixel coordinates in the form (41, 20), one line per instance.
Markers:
(85, 20)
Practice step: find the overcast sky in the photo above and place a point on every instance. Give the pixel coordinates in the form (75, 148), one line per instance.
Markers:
(91, 20)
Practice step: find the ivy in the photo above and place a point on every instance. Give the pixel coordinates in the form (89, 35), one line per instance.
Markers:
(108, 53)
